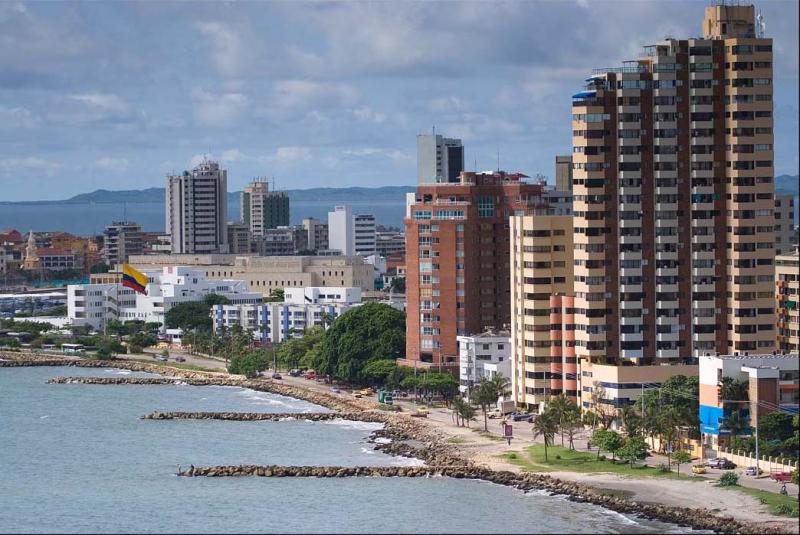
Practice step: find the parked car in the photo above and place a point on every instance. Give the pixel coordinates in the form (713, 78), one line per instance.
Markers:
(335, 389)
(521, 417)
(721, 463)
(162, 358)
(495, 413)
(180, 359)
(277, 376)
(295, 373)
(698, 469)
(753, 471)
(309, 376)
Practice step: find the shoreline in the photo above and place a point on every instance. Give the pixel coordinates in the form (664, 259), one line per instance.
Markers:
(429, 446)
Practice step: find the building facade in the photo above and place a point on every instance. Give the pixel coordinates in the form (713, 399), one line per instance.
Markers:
(673, 198)
(784, 222)
(264, 274)
(197, 210)
(317, 234)
(543, 359)
(772, 384)
(262, 209)
(787, 296)
(96, 304)
(457, 260)
(364, 234)
(120, 240)
(483, 356)
(301, 309)
(439, 159)
(351, 234)
(564, 173)
(240, 241)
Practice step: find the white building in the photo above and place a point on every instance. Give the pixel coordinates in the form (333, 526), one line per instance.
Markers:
(197, 210)
(301, 309)
(483, 355)
(351, 234)
(439, 159)
(94, 304)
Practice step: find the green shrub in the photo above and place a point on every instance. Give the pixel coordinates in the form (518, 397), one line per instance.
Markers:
(730, 479)
(786, 510)
(663, 468)
(558, 457)
(512, 456)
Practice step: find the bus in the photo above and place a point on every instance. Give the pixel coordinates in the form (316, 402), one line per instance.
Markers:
(72, 348)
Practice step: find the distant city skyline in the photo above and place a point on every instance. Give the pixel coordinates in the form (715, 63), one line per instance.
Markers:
(117, 96)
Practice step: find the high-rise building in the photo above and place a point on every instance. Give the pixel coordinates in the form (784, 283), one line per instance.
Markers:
(197, 209)
(787, 296)
(351, 234)
(239, 239)
(364, 234)
(564, 173)
(439, 159)
(262, 209)
(457, 260)
(543, 356)
(121, 239)
(784, 222)
(317, 233)
(673, 199)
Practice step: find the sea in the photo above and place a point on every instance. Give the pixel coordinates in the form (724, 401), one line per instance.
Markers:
(89, 219)
(77, 458)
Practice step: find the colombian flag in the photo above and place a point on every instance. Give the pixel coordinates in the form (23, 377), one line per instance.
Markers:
(133, 279)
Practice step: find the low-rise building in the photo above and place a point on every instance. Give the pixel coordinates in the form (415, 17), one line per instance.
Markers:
(301, 309)
(787, 295)
(483, 355)
(264, 274)
(772, 384)
(120, 240)
(240, 240)
(96, 304)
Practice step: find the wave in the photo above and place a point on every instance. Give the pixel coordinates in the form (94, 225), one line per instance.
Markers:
(383, 440)
(352, 424)
(407, 461)
(368, 451)
(45, 416)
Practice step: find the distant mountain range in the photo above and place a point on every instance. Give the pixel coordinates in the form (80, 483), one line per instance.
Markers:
(151, 195)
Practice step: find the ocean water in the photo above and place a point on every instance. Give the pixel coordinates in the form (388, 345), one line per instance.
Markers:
(76, 458)
(91, 218)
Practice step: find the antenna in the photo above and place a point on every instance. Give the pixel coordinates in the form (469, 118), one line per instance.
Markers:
(498, 160)
(761, 24)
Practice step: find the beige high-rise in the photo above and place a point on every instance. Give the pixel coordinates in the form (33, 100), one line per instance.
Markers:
(787, 296)
(543, 361)
(673, 184)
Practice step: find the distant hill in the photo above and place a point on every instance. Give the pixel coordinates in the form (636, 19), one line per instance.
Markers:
(789, 183)
(312, 194)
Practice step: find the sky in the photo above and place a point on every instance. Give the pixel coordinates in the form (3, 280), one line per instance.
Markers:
(116, 95)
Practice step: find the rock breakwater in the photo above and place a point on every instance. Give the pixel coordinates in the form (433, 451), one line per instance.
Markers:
(263, 416)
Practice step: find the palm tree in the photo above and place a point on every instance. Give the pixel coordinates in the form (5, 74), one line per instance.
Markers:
(483, 396)
(545, 425)
(558, 406)
(734, 394)
(735, 423)
(631, 421)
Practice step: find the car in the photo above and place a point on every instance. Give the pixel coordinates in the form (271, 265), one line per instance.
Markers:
(180, 359)
(698, 469)
(721, 463)
(309, 376)
(295, 373)
(495, 413)
(521, 417)
(335, 389)
(277, 376)
(753, 471)
(162, 358)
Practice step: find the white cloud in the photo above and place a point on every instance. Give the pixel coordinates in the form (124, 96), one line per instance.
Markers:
(30, 163)
(227, 52)
(303, 97)
(232, 155)
(111, 164)
(289, 155)
(373, 152)
(222, 109)
(102, 101)
(17, 118)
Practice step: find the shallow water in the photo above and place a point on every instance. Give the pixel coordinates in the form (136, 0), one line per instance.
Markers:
(77, 458)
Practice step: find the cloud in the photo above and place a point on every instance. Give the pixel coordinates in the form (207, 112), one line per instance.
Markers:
(292, 98)
(289, 155)
(103, 102)
(14, 118)
(372, 152)
(218, 109)
(30, 163)
(227, 52)
(111, 164)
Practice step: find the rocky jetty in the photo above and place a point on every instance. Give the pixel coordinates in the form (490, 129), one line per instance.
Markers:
(262, 416)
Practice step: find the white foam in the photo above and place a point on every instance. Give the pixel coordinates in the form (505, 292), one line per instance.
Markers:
(383, 440)
(45, 416)
(352, 424)
(368, 451)
(620, 516)
(407, 461)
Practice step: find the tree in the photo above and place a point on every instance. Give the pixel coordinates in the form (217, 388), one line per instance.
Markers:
(631, 421)
(251, 363)
(735, 423)
(484, 395)
(189, 316)
(572, 423)
(545, 426)
(558, 407)
(607, 440)
(681, 457)
(634, 448)
(775, 426)
(605, 413)
(215, 299)
(368, 332)
(100, 267)
(398, 285)
(377, 372)
(276, 295)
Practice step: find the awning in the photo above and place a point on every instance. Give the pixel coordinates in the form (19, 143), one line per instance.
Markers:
(584, 94)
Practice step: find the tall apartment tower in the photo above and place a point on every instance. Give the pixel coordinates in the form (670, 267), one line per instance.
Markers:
(120, 240)
(351, 234)
(457, 260)
(543, 358)
(262, 209)
(564, 173)
(197, 210)
(673, 199)
(439, 159)
(317, 233)
(784, 222)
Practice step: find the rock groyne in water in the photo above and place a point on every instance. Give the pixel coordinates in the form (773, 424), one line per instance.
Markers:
(683, 516)
(264, 416)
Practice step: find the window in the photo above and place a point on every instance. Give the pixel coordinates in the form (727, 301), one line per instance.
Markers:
(486, 207)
